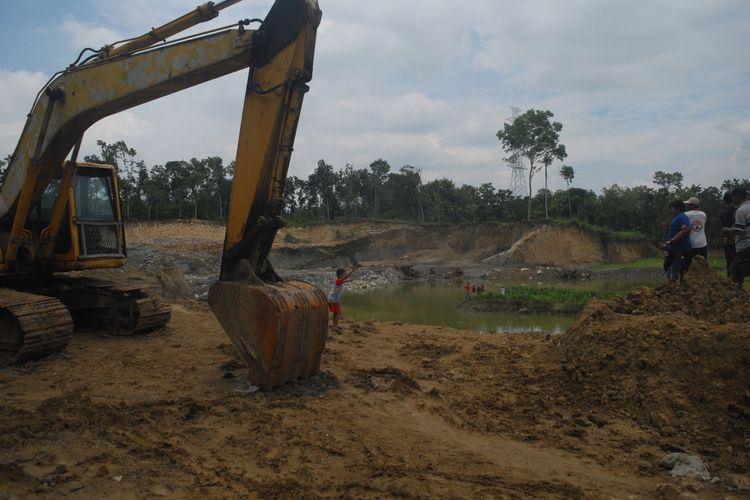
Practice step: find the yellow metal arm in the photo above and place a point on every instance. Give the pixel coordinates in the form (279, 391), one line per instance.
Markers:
(269, 122)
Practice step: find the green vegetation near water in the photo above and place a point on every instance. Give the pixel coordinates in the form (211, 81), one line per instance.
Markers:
(552, 296)
(657, 263)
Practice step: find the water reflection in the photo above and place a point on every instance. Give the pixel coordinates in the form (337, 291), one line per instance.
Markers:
(437, 304)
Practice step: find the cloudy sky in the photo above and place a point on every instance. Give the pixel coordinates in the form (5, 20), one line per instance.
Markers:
(638, 86)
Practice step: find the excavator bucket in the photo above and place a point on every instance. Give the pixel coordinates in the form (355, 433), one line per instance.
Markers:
(279, 330)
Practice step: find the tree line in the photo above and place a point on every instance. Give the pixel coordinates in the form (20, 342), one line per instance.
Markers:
(199, 189)
(379, 192)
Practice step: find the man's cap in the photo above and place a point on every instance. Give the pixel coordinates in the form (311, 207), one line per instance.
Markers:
(692, 201)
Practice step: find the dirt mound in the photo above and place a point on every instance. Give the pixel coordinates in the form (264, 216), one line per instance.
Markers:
(675, 359)
(568, 245)
(167, 283)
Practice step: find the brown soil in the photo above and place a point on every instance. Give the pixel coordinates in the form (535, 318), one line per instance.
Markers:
(398, 409)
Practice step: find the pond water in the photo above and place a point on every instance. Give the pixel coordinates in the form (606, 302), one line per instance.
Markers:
(436, 303)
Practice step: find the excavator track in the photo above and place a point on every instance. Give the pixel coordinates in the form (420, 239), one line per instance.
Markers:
(31, 326)
(120, 308)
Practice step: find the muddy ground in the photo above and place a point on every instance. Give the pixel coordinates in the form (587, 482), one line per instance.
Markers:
(398, 410)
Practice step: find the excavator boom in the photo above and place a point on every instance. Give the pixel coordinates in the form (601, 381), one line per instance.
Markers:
(279, 328)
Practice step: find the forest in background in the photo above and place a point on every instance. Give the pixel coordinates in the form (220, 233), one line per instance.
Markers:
(199, 189)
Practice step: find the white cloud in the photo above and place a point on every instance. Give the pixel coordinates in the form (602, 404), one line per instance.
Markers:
(638, 87)
(18, 89)
(81, 35)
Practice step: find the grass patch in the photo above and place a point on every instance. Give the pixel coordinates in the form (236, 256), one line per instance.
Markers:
(656, 263)
(556, 298)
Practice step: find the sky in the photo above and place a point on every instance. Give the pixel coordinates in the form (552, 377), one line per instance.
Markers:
(638, 86)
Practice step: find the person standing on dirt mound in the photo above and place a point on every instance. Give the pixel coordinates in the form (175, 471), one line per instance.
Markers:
(678, 244)
(727, 221)
(334, 297)
(698, 240)
(741, 230)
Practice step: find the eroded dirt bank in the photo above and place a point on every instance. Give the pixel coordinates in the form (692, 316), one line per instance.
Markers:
(389, 252)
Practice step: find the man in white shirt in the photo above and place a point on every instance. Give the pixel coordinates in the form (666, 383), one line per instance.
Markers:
(698, 240)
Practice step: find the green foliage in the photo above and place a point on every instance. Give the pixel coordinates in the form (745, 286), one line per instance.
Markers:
(199, 188)
(657, 262)
(557, 297)
(567, 173)
(534, 137)
(604, 232)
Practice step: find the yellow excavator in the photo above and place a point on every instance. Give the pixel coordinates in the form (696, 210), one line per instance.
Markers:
(59, 215)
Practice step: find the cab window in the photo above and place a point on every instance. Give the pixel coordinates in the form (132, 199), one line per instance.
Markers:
(94, 195)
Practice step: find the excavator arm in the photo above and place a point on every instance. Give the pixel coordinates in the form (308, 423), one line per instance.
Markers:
(278, 327)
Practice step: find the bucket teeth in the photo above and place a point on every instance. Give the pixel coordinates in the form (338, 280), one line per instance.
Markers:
(279, 330)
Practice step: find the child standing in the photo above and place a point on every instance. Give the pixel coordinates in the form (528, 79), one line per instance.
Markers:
(334, 297)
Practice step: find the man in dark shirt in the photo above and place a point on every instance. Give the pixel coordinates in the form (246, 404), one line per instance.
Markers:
(727, 220)
(741, 229)
(678, 244)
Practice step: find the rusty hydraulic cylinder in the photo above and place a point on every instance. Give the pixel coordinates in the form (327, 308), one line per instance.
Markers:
(202, 13)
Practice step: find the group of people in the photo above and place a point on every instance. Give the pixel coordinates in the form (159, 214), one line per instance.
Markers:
(470, 288)
(687, 236)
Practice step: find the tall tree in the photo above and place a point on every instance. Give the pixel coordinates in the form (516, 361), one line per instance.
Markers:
(560, 153)
(156, 190)
(379, 169)
(197, 174)
(178, 172)
(534, 137)
(669, 183)
(567, 173)
(322, 186)
(217, 183)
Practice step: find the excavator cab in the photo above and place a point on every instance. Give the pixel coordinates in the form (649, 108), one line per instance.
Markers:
(91, 234)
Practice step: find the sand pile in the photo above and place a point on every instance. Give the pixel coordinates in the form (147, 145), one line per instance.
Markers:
(676, 359)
